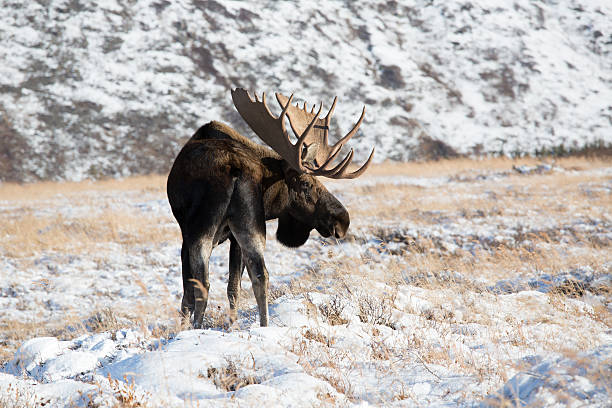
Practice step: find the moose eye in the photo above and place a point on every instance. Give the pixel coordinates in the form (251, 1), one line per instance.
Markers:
(306, 189)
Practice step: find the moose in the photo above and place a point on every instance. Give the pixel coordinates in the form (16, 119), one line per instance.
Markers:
(225, 186)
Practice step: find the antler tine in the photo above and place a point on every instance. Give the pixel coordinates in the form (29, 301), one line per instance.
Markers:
(339, 171)
(356, 173)
(304, 136)
(331, 111)
(345, 163)
(331, 157)
(310, 125)
(286, 108)
(331, 173)
(353, 131)
(340, 143)
(263, 100)
(281, 118)
(326, 130)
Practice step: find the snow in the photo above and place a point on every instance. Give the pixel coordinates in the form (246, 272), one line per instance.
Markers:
(541, 384)
(114, 88)
(35, 352)
(69, 365)
(404, 334)
(178, 370)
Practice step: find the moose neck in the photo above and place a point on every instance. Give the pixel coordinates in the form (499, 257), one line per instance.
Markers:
(275, 192)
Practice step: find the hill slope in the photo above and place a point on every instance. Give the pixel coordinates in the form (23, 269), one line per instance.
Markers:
(114, 89)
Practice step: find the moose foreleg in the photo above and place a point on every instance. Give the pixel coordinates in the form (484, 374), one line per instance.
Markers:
(249, 230)
(252, 244)
(259, 280)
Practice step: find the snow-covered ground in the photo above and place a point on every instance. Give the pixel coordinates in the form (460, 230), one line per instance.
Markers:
(469, 287)
(112, 87)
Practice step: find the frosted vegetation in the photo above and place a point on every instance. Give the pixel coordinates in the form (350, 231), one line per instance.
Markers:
(114, 87)
(461, 283)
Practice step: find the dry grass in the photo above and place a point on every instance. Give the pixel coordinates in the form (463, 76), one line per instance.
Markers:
(29, 227)
(332, 310)
(89, 215)
(451, 167)
(575, 204)
(14, 396)
(555, 222)
(558, 193)
(157, 183)
(155, 317)
(27, 233)
(549, 223)
(230, 377)
(48, 189)
(13, 332)
(126, 394)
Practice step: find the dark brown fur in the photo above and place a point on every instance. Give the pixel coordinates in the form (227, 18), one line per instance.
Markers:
(224, 186)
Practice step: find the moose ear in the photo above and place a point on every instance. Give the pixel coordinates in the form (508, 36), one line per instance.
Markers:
(292, 232)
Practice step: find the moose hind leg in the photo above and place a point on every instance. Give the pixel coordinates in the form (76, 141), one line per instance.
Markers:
(188, 302)
(199, 254)
(236, 268)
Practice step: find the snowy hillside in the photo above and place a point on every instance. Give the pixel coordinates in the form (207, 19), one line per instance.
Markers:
(115, 88)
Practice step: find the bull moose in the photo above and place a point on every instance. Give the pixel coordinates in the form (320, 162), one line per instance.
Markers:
(224, 186)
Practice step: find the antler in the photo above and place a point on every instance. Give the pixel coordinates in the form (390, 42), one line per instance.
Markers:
(311, 153)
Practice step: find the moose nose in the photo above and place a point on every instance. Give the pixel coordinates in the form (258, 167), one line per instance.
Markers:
(339, 232)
